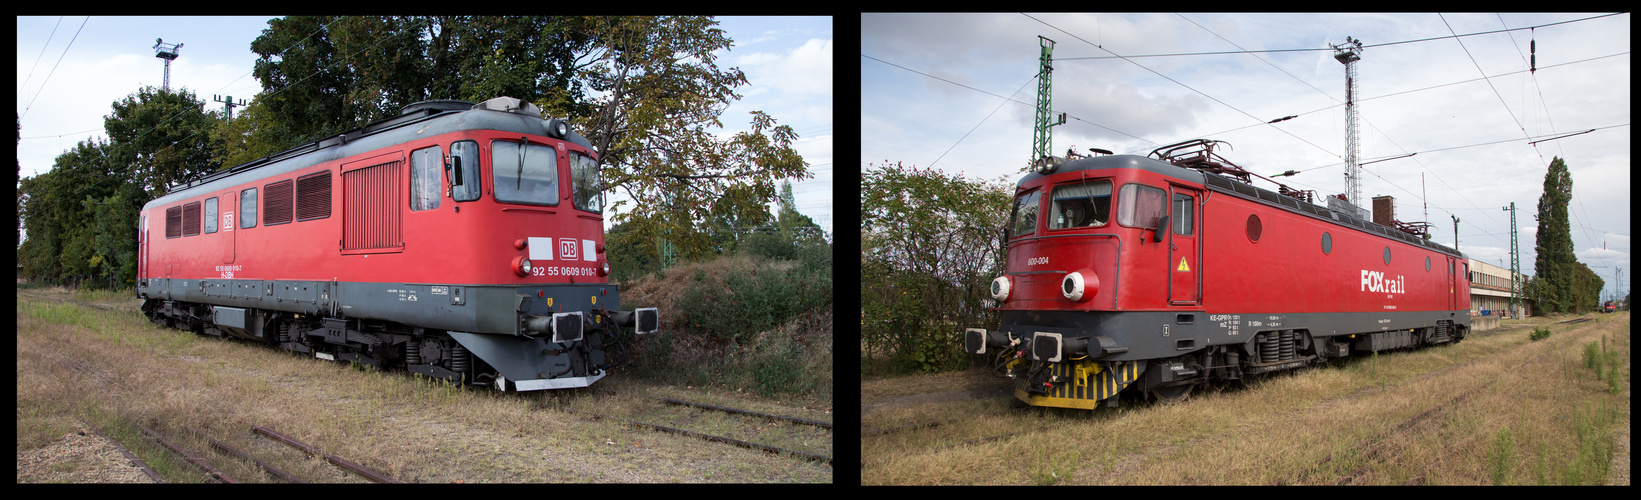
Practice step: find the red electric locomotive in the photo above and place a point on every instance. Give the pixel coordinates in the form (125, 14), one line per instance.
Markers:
(1157, 275)
(460, 241)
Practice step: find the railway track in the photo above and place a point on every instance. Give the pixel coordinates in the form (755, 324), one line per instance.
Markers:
(141, 465)
(744, 443)
(205, 465)
(314, 452)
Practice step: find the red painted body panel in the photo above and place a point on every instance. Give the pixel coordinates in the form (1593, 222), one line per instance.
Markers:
(472, 245)
(1285, 271)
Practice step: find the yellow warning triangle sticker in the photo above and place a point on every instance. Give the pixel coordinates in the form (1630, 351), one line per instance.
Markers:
(1182, 266)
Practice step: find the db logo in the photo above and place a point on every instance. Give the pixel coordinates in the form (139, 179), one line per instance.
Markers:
(567, 248)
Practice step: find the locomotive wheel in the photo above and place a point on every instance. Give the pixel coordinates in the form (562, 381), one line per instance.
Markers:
(1173, 394)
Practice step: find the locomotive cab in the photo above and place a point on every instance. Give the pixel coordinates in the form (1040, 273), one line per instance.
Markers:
(1095, 248)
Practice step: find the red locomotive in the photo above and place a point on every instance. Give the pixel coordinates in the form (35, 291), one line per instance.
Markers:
(1157, 275)
(460, 241)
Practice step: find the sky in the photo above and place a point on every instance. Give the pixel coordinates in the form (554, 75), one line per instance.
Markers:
(957, 93)
(71, 69)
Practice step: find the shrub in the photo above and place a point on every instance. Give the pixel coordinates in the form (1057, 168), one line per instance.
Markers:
(746, 301)
(1540, 333)
(1592, 358)
(930, 350)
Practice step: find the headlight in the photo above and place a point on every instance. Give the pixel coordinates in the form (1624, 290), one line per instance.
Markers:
(1000, 288)
(521, 266)
(558, 129)
(604, 268)
(1080, 285)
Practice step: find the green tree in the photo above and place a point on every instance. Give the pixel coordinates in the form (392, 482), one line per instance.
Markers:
(60, 245)
(930, 246)
(324, 75)
(248, 137)
(790, 233)
(304, 82)
(16, 181)
(661, 90)
(657, 85)
(1553, 265)
(799, 228)
(80, 216)
(160, 138)
(1586, 289)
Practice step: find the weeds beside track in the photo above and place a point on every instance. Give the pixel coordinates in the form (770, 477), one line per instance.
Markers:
(1430, 416)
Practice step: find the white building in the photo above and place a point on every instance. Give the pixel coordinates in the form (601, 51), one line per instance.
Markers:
(1490, 290)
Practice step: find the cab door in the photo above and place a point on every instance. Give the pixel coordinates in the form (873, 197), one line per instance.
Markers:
(1452, 284)
(142, 249)
(1184, 256)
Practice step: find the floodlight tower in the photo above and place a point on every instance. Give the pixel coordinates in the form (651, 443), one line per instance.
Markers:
(168, 52)
(1348, 54)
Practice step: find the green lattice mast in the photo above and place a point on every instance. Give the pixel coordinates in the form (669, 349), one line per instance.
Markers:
(1042, 142)
(1515, 265)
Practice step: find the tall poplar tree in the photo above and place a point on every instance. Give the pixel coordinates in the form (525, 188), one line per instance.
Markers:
(1554, 265)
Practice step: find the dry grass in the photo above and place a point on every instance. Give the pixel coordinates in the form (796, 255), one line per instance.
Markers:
(111, 368)
(1423, 417)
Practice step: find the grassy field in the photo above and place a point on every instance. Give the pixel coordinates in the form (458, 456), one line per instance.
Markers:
(1498, 408)
(79, 366)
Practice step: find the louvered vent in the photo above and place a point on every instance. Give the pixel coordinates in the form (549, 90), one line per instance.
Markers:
(372, 202)
(276, 207)
(313, 196)
(173, 222)
(190, 219)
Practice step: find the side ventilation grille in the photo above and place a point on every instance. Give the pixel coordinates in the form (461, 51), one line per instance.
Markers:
(372, 202)
(313, 196)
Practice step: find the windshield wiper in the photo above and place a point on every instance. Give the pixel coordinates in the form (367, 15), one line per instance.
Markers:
(518, 178)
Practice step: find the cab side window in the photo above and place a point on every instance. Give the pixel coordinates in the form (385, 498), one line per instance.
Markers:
(210, 215)
(1184, 209)
(1141, 206)
(247, 208)
(464, 154)
(425, 164)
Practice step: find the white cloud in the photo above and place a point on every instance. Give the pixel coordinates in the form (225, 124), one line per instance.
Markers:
(806, 70)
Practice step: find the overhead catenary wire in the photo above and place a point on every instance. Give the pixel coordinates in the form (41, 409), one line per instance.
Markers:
(37, 58)
(1227, 52)
(53, 68)
(1182, 84)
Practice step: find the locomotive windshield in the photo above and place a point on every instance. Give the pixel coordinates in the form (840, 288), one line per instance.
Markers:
(1082, 204)
(1025, 214)
(527, 174)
